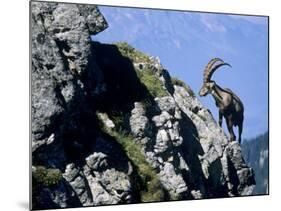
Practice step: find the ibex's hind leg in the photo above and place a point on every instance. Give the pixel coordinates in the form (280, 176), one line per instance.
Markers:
(230, 129)
(240, 128)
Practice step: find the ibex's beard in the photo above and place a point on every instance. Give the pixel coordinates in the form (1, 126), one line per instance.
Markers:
(202, 93)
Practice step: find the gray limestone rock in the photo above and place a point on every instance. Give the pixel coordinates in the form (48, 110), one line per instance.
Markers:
(177, 135)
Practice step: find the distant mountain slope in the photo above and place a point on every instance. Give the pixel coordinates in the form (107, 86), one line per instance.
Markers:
(255, 152)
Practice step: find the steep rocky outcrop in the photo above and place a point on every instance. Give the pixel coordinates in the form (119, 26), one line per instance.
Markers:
(64, 79)
(110, 126)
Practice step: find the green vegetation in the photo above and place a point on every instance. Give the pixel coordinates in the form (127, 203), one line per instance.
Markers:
(152, 83)
(147, 181)
(151, 188)
(130, 52)
(43, 177)
(179, 82)
(174, 196)
(46, 177)
(146, 75)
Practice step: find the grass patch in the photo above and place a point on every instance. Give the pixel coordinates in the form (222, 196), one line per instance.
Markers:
(179, 82)
(146, 75)
(152, 83)
(150, 188)
(130, 52)
(46, 177)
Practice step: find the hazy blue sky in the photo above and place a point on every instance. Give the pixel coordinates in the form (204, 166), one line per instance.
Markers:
(186, 41)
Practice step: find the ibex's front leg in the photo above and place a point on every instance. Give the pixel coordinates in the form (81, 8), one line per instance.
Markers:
(230, 128)
(220, 117)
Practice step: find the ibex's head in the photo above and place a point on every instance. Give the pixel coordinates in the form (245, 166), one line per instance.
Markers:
(210, 68)
(206, 88)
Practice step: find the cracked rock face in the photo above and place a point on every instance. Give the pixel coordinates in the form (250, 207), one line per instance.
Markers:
(61, 53)
(61, 57)
(178, 137)
(189, 150)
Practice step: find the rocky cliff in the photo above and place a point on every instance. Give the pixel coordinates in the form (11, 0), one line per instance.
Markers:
(110, 126)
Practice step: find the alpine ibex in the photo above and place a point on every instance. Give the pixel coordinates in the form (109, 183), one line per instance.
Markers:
(229, 105)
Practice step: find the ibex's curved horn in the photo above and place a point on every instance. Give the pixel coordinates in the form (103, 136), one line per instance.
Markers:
(210, 68)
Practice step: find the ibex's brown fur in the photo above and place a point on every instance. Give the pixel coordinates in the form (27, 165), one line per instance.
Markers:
(229, 105)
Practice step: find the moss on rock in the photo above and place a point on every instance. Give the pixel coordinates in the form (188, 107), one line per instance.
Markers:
(46, 177)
